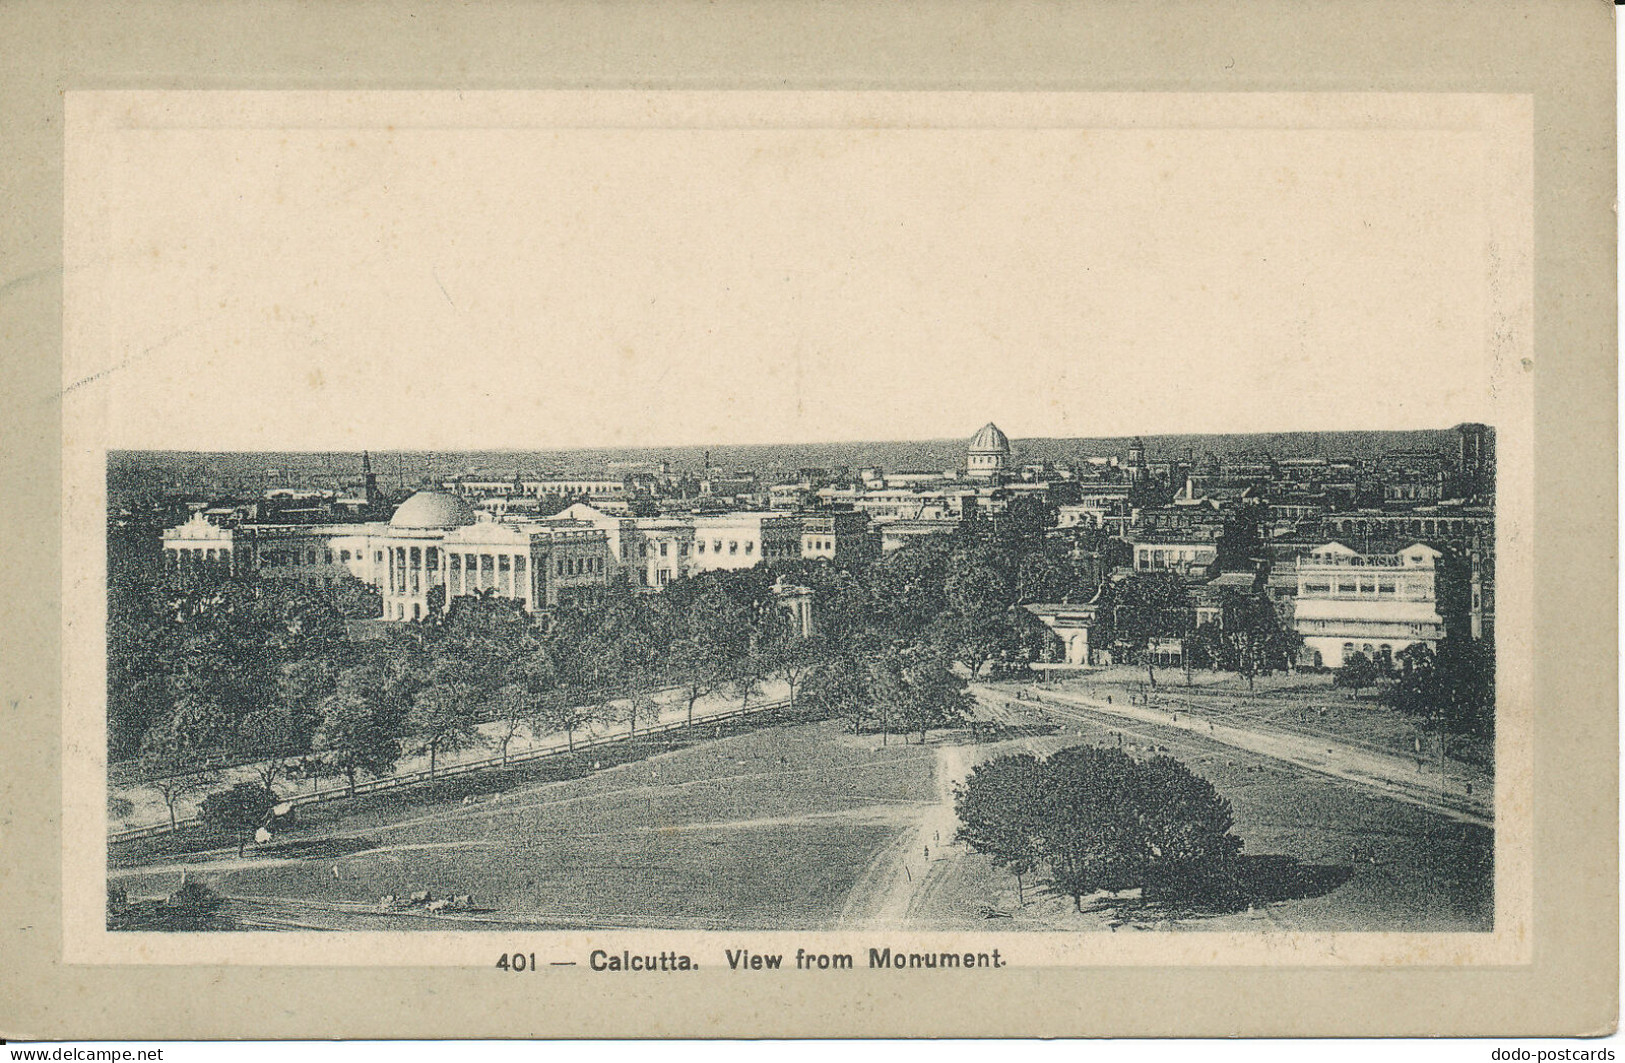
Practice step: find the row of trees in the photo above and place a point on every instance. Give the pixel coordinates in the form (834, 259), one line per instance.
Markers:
(206, 667)
(1093, 818)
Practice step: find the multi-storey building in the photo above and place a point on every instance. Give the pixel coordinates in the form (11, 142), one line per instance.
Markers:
(1374, 604)
(433, 540)
(1184, 555)
(837, 535)
(740, 540)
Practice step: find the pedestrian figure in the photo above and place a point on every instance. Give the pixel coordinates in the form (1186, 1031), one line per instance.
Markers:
(335, 872)
(1108, 699)
(928, 852)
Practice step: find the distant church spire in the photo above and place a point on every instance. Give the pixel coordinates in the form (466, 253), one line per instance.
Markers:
(370, 478)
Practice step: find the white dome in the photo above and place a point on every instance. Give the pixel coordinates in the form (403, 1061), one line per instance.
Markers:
(432, 509)
(990, 441)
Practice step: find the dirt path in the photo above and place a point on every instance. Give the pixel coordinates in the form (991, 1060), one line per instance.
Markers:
(1392, 776)
(895, 890)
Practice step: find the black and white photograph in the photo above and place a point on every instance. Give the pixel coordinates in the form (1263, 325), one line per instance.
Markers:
(1010, 533)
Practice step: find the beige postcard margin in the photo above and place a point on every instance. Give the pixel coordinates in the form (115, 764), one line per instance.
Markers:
(172, 1002)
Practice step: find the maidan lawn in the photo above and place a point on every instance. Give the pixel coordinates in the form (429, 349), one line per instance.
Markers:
(764, 829)
(789, 826)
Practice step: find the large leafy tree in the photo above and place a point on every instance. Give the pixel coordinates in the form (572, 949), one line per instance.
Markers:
(713, 634)
(793, 658)
(444, 717)
(359, 728)
(1100, 820)
(1092, 832)
(839, 688)
(1145, 609)
(1454, 687)
(1241, 545)
(1049, 573)
(242, 810)
(1357, 672)
(1191, 853)
(915, 691)
(906, 588)
(1000, 807)
(1250, 638)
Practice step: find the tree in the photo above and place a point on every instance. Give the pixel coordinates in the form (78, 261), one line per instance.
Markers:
(631, 659)
(1240, 544)
(1147, 608)
(1100, 820)
(1357, 672)
(174, 787)
(839, 688)
(714, 633)
(443, 716)
(1092, 834)
(356, 599)
(242, 810)
(1050, 574)
(976, 586)
(434, 605)
(1455, 687)
(563, 711)
(519, 703)
(1191, 853)
(1251, 640)
(1000, 808)
(915, 689)
(842, 609)
(906, 588)
(359, 728)
(971, 642)
(793, 660)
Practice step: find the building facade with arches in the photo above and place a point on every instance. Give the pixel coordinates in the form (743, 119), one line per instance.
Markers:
(1377, 605)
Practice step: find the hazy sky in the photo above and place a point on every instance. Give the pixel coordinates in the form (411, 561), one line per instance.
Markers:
(323, 287)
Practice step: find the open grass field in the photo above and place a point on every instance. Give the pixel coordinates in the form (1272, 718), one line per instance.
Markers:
(802, 826)
(763, 829)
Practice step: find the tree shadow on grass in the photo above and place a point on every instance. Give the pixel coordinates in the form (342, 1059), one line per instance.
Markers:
(1268, 879)
(1256, 881)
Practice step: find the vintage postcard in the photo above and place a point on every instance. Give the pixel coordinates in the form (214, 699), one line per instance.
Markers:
(798, 530)
(662, 543)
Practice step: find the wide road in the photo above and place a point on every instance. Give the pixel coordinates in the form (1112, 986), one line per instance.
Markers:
(1393, 776)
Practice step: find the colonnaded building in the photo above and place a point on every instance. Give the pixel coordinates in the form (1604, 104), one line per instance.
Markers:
(436, 539)
(475, 537)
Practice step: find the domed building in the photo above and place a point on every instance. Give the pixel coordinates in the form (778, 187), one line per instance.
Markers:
(432, 510)
(989, 456)
(435, 539)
